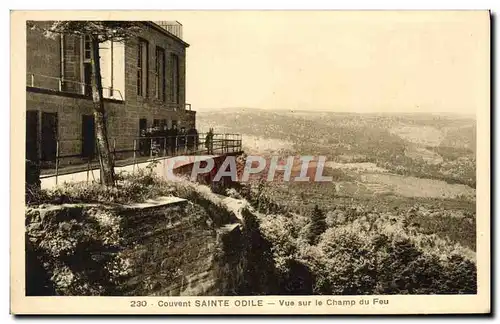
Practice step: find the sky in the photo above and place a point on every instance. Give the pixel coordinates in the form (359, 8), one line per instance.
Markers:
(338, 61)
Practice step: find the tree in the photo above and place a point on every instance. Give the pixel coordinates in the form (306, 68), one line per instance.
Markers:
(317, 226)
(32, 182)
(98, 32)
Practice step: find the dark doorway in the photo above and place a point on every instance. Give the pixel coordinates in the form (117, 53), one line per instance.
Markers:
(49, 136)
(88, 136)
(87, 79)
(143, 125)
(32, 135)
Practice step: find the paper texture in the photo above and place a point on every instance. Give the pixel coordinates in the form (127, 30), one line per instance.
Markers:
(353, 86)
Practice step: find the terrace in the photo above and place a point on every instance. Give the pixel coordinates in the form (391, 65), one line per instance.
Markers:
(144, 150)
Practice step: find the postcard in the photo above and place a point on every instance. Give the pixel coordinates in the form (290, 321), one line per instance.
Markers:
(250, 162)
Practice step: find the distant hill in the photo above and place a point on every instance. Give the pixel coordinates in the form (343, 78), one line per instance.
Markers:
(425, 145)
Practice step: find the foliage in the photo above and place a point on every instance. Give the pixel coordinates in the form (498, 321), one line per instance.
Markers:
(97, 249)
(77, 248)
(318, 225)
(366, 137)
(369, 253)
(32, 181)
(260, 276)
(104, 29)
(133, 187)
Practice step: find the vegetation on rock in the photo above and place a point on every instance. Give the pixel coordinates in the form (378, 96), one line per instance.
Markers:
(317, 226)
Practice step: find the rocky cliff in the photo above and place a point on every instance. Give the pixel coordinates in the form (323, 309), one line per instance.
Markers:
(168, 247)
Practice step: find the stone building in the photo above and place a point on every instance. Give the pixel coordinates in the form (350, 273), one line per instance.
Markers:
(144, 85)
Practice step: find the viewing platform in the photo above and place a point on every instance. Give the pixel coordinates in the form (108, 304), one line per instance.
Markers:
(146, 150)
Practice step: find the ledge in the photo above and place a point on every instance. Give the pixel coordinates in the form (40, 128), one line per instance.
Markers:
(158, 202)
(68, 94)
(150, 203)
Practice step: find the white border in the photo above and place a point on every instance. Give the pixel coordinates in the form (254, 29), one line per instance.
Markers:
(190, 4)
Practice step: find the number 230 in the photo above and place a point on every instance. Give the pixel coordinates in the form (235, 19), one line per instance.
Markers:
(138, 303)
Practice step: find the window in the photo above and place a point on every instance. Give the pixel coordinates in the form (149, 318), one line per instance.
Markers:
(175, 78)
(160, 74)
(86, 65)
(142, 68)
(87, 48)
(112, 69)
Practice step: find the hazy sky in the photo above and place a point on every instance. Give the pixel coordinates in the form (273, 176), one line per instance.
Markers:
(341, 61)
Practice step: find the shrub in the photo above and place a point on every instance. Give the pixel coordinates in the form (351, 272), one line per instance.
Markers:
(32, 181)
(369, 253)
(130, 188)
(318, 225)
(75, 250)
(352, 259)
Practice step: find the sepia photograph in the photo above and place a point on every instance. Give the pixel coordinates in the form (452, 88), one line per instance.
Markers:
(231, 161)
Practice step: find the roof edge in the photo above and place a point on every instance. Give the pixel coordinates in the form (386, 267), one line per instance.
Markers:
(166, 32)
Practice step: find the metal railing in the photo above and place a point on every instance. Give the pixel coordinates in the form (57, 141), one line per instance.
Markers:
(60, 84)
(177, 106)
(144, 149)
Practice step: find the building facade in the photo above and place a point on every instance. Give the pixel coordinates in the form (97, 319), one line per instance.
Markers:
(144, 85)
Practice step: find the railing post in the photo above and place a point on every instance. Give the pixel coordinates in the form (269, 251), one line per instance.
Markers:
(32, 80)
(185, 144)
(91, 170)
(60, 84)
(57, 160)
(151, 148)
(164, 146)
(114, 150)
(88, 168)
(135, 149)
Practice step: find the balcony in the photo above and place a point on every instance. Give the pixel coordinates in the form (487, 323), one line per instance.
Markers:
(178, 107)
(67, 86)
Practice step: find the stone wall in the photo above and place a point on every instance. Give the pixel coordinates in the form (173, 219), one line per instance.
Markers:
(148, 106)
(164, 247)
(170, 249)
(43, 55)
(70, 108)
